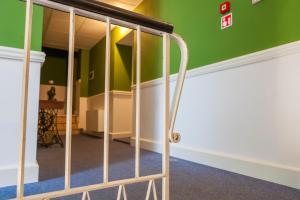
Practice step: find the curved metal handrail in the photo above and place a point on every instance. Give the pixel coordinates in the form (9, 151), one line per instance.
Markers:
(179, 85)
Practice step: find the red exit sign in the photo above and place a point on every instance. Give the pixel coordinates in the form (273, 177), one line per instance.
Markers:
(226, 21)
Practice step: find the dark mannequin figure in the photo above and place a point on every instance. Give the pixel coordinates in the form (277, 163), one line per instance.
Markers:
(51, 94)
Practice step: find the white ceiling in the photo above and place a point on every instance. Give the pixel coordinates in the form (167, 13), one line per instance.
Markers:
(87, 32)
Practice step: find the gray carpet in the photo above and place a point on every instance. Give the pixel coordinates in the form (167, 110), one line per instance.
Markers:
(188, 180)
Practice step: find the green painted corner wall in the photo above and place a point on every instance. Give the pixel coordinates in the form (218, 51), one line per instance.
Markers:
(84, 63)
(12, 20)
(122, 61)
(97, 64)
(120, 69)
(55, 68)
(265, 25)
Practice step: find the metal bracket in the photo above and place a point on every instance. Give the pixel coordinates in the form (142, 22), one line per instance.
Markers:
(175, 138)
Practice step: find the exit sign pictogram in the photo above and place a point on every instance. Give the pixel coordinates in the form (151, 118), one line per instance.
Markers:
(226, 21)
(224, 7)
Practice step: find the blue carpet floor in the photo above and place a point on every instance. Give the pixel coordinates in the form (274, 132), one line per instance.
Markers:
(189, 181)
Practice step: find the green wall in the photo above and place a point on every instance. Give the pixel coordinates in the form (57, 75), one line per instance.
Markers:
(265, 25)
(120, 70)
(151, 46)
(12, 20)
(55, 68)
(84, 63)
(122, 61)
(97, 64)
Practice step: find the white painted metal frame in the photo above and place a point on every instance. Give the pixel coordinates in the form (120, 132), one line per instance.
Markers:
(166, 115)
(138, 103)
(106, 103)
(152, 186)
(69, 100)
(169, 117)
(22, 146)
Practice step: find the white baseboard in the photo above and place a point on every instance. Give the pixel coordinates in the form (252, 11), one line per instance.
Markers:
(120, 110)
(82, 112)
(119, 135)
(280, 174)
(8, 174)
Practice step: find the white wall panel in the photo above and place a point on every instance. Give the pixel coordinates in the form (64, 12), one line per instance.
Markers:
(11, 66)
(241, 115)
(120, 110)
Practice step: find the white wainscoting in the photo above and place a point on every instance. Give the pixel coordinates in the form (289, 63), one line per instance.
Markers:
(120, 111)
(11, 66)
(82, 113)
(240, 115)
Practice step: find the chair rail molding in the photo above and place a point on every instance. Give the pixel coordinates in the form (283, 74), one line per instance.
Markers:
(18, 54)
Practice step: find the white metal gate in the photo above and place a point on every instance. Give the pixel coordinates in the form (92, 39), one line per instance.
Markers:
(139, 23)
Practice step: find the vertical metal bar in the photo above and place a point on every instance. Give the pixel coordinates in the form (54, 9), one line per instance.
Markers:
(119, 192)
(124, 193)
(106, 102)
(138, 105)
(148, 190)
(154, 190)
(25, 82)
(70, 100)
(166, 111)
(86, 195)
